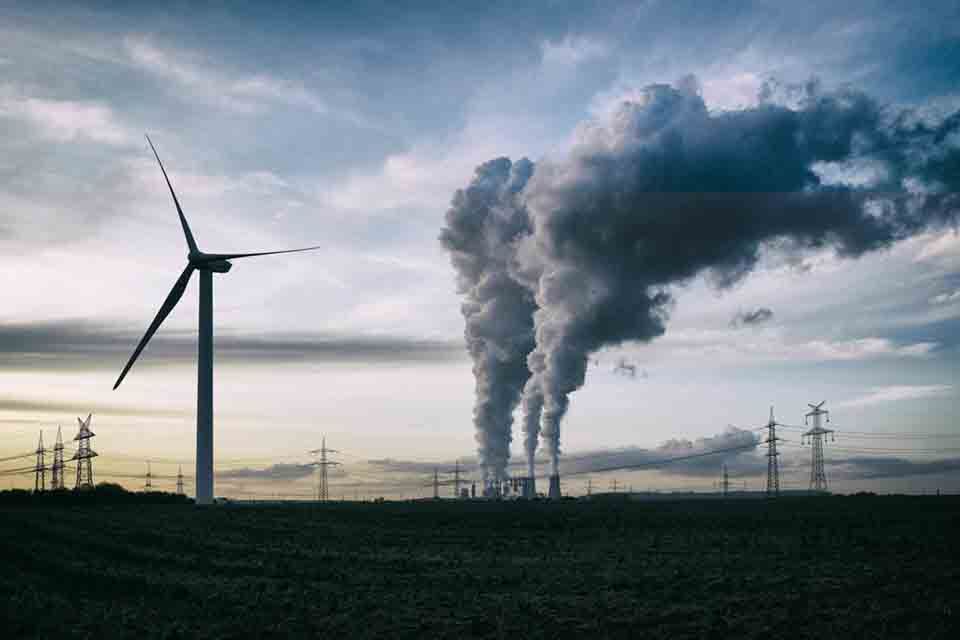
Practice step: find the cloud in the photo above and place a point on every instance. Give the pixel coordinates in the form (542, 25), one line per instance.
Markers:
(772, 346)
(77, 344)
(944, 298)
(865, 348)
(66, 120)
(944, 247)
(896, 393)
(393, 465)
(693, 457)
(572, 50)
(281, 471)
(760, 315)
(864, 467)
(78, 408)
(246, 94)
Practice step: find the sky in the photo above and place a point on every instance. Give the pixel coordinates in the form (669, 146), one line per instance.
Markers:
(351, 127)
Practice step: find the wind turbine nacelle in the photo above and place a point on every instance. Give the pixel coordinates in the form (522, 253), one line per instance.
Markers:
(218, 266)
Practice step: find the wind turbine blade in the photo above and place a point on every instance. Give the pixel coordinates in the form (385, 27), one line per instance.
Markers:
(183, 219)
(231, 256)
(172, 299)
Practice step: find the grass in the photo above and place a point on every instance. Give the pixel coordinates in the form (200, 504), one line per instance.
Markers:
(863, 567)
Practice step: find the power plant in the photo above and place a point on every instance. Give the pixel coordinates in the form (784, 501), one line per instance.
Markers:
(462, 481)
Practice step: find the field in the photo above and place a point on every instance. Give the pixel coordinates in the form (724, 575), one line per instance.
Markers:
(857, 567)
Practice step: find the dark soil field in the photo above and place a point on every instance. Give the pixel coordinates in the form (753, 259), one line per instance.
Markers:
(850, 567)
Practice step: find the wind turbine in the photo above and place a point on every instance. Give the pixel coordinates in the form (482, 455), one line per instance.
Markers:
(207, 264)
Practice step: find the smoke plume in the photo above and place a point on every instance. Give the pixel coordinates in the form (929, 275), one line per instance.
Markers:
(665, 191)
(482, 225)
(751, 318)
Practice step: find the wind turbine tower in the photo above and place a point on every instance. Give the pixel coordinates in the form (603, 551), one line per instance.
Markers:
(773, 463)
(207, 264)
(818, 476)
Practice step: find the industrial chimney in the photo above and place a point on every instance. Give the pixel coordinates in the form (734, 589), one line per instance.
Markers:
(554, 487)
(529, 487)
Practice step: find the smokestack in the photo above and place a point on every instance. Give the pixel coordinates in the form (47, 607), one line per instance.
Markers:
(555, 487)
(530, 487)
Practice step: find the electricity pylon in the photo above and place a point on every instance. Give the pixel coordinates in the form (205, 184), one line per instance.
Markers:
(726, 482)
(773, 463)
(40, 471)
(84, 455)
(436, 484)
(180, 480)
(56, 477)
(818, 476)
(148, 480)
(323, 492)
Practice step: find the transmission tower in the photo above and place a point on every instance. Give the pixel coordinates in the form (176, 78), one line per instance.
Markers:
(40, 471)
(773, 463)
(436, 484)
(180, 480)
(84, 455)
(726, 482)
(323, 492)
(56, 478)
(148, 479)
(818, 477)
(589, 486)
(613, 485)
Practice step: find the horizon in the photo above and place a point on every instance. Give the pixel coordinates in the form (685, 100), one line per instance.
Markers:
(354, 129)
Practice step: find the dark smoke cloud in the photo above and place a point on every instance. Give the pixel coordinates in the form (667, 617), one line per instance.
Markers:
(482, 225)
(666, 191)
(751, 318)
(628, 369)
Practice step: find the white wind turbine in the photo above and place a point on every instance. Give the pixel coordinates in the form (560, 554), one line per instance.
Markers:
(206, 264)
